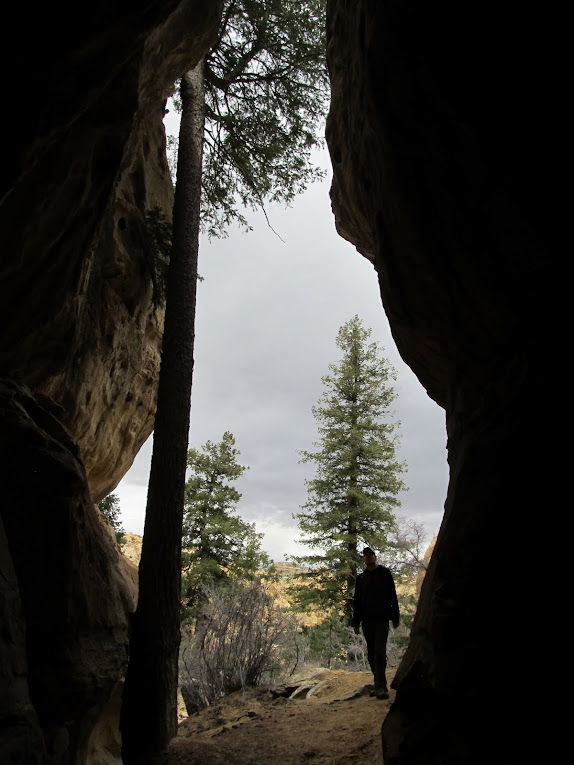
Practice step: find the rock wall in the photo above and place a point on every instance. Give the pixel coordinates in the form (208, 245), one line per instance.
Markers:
(67, 626)
(82, 324)
(78, 311)
(446, 149)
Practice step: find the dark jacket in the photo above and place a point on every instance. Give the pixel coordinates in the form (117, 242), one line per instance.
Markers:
(375, 596)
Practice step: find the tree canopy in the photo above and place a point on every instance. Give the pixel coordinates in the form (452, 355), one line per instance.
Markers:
(266, 97)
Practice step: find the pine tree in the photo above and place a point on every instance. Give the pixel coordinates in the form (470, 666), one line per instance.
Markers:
(217, 544)
(271, 56)
(353, 498)
(149, 699)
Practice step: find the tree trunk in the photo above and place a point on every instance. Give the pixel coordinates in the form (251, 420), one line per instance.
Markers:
(351, 578)
(149, 710)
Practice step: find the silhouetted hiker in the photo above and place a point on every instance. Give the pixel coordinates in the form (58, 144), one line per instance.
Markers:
(374, 605)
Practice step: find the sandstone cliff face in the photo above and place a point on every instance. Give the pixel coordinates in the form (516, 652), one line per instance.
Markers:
(79, 319)
(445, 176)
(446, 156)
(81, 340)
(66, 625)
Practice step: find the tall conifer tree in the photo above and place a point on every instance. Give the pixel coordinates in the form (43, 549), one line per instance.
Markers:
(262, 91)
(217, 543)
(353, 497)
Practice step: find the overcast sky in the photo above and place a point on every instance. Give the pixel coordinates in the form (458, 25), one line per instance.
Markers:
(268, 313)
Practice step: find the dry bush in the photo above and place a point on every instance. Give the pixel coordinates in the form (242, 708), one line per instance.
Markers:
(356, 652)
(237, 641)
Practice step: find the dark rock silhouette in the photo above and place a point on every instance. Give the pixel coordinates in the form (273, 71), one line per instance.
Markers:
(444, 134)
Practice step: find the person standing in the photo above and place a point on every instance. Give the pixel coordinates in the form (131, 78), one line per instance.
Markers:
(374, 605)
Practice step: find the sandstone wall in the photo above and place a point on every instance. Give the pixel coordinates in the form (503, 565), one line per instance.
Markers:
(445, 142)
(80, 349)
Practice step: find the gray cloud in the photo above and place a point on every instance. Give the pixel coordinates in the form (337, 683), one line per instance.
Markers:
(268, 312)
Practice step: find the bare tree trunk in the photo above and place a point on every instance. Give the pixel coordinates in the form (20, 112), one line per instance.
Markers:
(149, 709)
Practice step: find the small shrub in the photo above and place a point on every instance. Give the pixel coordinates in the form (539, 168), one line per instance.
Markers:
(236, 642)
(110, 508)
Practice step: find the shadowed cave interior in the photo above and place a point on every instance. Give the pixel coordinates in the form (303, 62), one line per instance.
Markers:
(443, 135)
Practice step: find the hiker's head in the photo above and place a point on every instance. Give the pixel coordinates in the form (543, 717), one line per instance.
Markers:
(370, 558)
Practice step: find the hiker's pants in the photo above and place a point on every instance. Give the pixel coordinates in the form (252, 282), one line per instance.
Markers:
(376, 632)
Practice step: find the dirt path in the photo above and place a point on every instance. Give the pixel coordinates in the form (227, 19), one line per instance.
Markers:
(328, 719)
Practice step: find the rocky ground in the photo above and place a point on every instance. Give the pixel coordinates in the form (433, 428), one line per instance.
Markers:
(325, 717)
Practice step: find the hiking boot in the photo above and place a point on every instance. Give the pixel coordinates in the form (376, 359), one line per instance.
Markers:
(382, 694)
(373, 692)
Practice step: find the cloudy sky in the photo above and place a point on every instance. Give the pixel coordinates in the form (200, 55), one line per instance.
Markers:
(268, 313)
